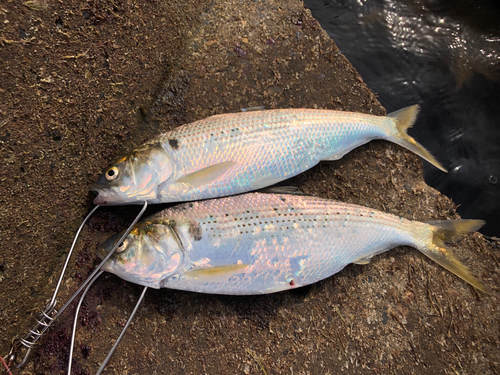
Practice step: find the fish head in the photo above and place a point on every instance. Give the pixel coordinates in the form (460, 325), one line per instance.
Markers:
(135, 177)
(148, 255)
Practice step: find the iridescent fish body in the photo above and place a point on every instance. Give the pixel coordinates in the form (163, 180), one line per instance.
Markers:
(238, 152)
(263, 243)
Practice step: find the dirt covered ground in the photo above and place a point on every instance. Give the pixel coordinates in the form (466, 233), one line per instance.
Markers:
(83, 81)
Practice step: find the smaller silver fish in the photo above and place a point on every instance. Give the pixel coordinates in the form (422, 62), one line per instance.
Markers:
(263, 243)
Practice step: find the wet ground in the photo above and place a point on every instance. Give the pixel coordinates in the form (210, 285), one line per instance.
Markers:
(81, 82)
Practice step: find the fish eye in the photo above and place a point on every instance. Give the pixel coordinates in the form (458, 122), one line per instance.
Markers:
(121, 247)
(111, 173)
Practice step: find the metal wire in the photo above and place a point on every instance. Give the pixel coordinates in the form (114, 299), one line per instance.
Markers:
(89, 279)
(49, 314)
(53, 300)
(73, 334)
(106, 360)
(45, 320)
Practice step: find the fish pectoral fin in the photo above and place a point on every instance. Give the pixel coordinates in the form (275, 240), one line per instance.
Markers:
(206, 175)
(213, 273)
(364, 260)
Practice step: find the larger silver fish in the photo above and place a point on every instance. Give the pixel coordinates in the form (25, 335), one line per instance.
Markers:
(239, 152)
(263, 243)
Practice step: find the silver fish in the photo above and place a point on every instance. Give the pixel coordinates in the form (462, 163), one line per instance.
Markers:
(238, 152)
(263, 243)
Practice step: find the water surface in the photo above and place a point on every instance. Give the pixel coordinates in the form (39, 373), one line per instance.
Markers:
(444, 56)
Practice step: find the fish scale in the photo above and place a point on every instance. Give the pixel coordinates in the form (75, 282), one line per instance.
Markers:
(268, 146)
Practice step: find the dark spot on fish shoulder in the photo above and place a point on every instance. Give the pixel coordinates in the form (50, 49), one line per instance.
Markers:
(172, 224)
(174, 143)
(195, 230)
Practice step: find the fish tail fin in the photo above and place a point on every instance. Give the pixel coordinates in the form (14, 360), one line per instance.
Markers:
(450, 231)
(405, 118)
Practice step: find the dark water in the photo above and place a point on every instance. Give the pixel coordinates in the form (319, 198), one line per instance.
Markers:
(445, 56)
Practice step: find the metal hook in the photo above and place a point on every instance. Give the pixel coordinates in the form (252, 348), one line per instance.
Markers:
(91, 279)
(11, 357)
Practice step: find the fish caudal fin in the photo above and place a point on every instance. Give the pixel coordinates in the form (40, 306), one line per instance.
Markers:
(405, 118)
(450, 231)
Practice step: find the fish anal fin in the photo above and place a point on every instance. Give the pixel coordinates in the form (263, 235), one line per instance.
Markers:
(206, 175)
(364, 260)
(263, 183)
(214, 273)
(336, 156)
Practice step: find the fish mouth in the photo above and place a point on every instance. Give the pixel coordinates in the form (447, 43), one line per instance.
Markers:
(108, 197)
(102, 253)
(101, 199)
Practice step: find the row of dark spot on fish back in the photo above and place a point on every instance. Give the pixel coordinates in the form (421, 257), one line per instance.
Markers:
(295, 217)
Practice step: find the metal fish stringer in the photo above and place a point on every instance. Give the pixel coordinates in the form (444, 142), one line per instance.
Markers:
(49, 314)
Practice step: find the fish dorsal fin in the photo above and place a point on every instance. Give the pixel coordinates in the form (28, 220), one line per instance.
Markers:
(254, 108)
(214, 273)
(364, 260)
(206, 175)
(292, 190)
